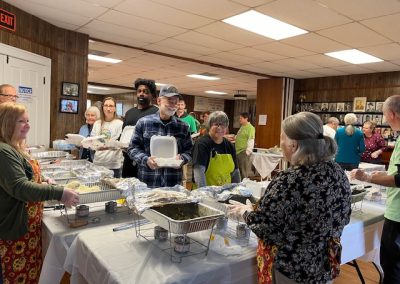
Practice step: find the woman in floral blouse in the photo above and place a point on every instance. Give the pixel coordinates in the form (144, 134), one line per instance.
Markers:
(300, 219)
(374, 144)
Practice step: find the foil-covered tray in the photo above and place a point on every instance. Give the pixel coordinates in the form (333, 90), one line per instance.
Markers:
(49, 155)
(183, 218)
(107, 193)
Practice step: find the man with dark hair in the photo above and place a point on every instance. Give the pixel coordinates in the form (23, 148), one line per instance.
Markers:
(145, 91)
(244, 144)
(184, 116)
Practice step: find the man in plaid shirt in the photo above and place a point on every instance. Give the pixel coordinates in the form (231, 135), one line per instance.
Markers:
(161, 123)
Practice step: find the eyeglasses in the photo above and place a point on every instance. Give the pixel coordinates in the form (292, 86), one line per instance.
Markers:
(109, 106)
(10, 96)
(219, 125)
(144, 91)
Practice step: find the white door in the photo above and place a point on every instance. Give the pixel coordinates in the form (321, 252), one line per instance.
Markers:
(32, 81)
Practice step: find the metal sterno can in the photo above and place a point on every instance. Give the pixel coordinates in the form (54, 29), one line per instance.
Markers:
(160, 233)
(111, 206)
(182, 244)
(82, 210)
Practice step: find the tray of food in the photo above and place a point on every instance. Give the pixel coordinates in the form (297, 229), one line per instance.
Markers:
(94, 191)
(49, 155)
(183, 218)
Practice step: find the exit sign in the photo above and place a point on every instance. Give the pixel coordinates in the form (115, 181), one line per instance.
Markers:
(7, 20)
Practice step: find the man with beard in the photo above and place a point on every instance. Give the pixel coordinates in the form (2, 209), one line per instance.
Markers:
(162, 123)
(145, 90)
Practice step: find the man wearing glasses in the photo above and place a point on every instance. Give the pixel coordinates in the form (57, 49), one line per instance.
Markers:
(162, 123)
(145, 91)
(7, 93)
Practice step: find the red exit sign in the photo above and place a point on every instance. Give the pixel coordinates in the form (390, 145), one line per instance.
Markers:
(7, 20)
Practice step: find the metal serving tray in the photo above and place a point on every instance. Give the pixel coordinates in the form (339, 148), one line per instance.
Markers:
(107, 193)
(162, 217)
(49, 155)
(359, 196)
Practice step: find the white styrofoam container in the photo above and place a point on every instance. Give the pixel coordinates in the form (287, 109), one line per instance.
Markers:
(163, 147)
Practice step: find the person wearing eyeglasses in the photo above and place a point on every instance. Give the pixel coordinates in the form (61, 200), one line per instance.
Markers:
(110, 126)
(214, 157)
(22, 192)
(7, 93)
(162, 123)
(145, 91)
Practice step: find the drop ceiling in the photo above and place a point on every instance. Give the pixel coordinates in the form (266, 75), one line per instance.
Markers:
(192, 32)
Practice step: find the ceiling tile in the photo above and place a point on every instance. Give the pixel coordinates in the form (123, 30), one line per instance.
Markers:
(233, 34)
(386, 52)
(162, 13)
(217, 10)
(315, 43)
(252, 3)
(140, 24)
(323, 60)
(354, 35)
(283, 49)
(304, 14)
(184, 46)
(296, 63)
(382, 66)
(363, 9)
(325, 72)
(387, 26)
(354, 69)
(207, 41)
(258, 54)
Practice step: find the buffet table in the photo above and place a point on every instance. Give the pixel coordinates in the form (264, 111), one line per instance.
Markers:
(96, 254)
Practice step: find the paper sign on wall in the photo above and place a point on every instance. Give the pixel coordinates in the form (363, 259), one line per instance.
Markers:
(262, 119)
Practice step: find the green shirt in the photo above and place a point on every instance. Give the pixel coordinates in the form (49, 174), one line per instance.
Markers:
(245, 133)
(16, 188)
(393, 193)
(191, 121)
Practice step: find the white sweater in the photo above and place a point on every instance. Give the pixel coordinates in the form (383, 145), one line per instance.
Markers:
(111, 159)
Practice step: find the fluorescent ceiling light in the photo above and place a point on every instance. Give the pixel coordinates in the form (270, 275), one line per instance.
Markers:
(354, 56)
(98, 88)
(103, 59)
(264, 25)
(215, 92)
(203, 77)
(160, 84)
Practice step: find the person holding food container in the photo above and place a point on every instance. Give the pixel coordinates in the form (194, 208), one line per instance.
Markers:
(300, 218)
(22, 191)
(92, 114)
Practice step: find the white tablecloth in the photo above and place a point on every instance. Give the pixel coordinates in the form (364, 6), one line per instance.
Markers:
(265, 163)
(121, 257)
(58, 237)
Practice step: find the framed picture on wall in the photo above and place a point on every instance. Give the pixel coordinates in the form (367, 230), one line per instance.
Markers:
(378, 106)
(359, 104)
(69, 106)
(370, 107)
(340, 107)
(360, 119)
(70, 89)
(332, 107)
(378, 119)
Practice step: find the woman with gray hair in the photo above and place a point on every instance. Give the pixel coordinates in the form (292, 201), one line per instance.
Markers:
(300, 218)
(214, 157)
(91, 115)
(350, 141)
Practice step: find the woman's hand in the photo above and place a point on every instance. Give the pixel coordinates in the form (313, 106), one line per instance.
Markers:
(360, 175)
(376, 154)
(70, 197)
(237, 209)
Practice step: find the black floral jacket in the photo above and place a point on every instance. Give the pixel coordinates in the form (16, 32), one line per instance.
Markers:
(303, 208)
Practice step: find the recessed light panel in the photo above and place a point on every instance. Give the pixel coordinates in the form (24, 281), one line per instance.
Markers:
(354, 56)
(264, 25)
(203, 77)
(215, 92)
(103, 59)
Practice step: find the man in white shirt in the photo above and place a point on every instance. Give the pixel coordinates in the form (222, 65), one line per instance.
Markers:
(331, 126)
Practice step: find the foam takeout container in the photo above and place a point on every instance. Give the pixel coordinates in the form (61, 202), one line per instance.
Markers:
(165, 149)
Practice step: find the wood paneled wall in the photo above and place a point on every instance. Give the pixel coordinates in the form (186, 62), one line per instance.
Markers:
(68, 52)
(269, 102)
(376, 87)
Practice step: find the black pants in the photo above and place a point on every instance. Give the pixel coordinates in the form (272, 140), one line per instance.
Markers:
(128, 170)
(390, 252)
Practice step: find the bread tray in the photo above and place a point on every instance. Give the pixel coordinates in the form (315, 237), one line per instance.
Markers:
(107, 193)
(162, 217)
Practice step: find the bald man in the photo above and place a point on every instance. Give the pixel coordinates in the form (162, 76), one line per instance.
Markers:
(7, 93)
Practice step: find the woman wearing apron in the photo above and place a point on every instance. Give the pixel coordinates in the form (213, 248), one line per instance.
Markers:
(22, 191)
(214, 157)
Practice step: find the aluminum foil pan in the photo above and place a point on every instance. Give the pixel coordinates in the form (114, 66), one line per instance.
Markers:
(49, 155)
(183, 218)
(107, 193)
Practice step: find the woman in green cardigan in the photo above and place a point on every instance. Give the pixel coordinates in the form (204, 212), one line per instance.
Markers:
(22, 191)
